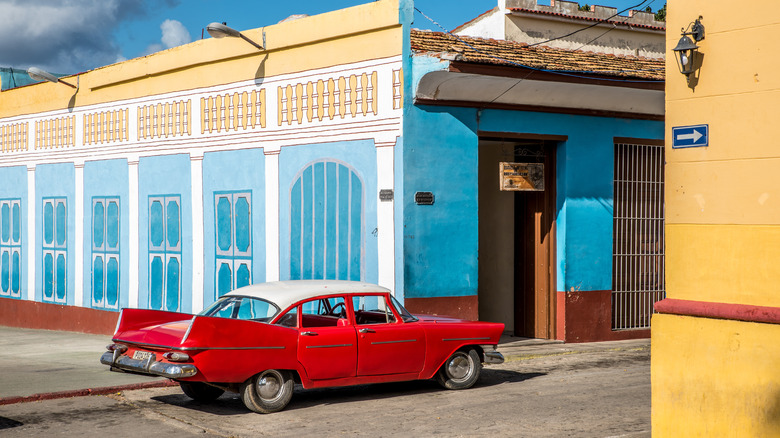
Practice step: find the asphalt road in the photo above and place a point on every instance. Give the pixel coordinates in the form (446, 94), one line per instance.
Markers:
(582, 394)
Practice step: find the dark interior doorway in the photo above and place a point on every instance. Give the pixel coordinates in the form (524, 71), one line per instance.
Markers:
(517, 240)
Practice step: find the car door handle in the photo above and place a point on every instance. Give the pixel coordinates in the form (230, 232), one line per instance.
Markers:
(365, 330)
(309, 334)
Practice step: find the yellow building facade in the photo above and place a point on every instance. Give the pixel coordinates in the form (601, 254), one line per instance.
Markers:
(715, 356)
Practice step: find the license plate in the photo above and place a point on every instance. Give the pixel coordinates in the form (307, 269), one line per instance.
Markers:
(141, 355)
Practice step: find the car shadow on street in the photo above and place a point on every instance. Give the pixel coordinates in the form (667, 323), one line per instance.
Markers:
(8, 423)
(231, 404)
(490, 377)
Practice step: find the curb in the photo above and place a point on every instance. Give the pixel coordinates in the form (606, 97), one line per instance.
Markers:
(84, 392)
(540, 353)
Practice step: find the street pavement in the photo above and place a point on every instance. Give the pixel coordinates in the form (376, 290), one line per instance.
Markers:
(43, 364)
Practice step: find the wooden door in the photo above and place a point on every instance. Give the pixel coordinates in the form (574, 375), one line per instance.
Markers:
(535, 250)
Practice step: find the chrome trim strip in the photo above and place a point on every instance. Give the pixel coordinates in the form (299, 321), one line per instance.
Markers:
(466, 339)
(393, 342)
(119, 320)
(189, 328)
(329, 346)
(198, 348)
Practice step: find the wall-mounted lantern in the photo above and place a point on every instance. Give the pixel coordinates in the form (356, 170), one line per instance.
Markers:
(686, 49)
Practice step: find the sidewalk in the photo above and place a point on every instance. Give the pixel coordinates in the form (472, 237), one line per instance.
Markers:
(44, 364)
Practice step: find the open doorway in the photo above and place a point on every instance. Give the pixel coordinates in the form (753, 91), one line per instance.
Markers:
(517, 239)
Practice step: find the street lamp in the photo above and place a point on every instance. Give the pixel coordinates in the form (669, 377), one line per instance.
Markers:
(686, 48)
(37, 74)
(221, 30)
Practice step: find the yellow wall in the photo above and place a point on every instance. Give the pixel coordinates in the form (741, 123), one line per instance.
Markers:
(363, 32)
(714, 377)
(732, 186)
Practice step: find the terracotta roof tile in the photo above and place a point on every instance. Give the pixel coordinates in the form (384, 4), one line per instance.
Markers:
(510, 53)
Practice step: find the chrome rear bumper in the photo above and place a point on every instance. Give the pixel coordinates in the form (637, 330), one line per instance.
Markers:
(491, 355)
(149, 366)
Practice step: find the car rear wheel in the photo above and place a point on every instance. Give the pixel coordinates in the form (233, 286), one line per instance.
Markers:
(200, 391)
(461, 370)
(267, 392)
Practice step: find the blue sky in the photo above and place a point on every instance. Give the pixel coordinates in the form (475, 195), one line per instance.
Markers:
(68, 36)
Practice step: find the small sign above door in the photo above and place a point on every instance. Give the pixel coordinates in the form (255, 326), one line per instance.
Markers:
(522, 177)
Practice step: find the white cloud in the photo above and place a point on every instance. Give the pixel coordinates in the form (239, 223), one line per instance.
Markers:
(174, 34)
(65, 36)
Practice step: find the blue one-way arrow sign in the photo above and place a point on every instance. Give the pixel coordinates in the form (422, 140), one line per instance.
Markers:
(690, 136)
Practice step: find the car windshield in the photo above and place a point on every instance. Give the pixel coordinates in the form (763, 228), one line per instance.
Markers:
(405, 315)
(248, 308)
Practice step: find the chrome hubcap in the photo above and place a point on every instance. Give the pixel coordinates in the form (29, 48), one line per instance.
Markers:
(458, 367)
(268, 387)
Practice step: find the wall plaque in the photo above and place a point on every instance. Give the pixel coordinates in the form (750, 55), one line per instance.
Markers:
(386, 195)
(423, 198)
(522, 177)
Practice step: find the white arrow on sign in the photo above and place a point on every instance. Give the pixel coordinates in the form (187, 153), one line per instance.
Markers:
(695, 136)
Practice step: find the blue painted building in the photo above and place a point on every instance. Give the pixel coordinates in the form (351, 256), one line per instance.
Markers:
(165, 189)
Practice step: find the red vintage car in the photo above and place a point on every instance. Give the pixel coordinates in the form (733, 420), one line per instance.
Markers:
(261, 339)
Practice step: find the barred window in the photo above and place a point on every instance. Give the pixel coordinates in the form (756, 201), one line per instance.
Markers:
(638, 230)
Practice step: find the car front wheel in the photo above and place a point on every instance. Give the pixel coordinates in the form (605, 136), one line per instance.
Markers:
(200, 391)
(461, 370)
(267, 392)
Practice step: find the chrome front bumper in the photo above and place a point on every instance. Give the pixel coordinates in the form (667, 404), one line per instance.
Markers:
(148, 366)
(491, 355)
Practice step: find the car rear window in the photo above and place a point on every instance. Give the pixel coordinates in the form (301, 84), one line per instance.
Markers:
(247, 308)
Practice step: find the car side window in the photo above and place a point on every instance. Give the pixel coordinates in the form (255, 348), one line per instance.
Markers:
(324, 312)
(289, 319)
(372, 309)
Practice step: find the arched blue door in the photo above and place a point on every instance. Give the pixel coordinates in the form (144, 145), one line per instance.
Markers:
(326, 223)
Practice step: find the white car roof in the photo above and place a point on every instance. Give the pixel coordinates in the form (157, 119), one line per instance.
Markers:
(286, 293)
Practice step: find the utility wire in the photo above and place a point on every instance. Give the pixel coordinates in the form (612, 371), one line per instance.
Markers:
(558, 72)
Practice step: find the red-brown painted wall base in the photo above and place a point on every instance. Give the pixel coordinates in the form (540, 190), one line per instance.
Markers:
(35, 315)
(706, 309)
(458, 307)
(560, 316)
(588, 318)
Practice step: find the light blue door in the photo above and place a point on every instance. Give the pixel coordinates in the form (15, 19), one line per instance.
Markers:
(326, 229)
(165, 252)
(105, 252)
(10, 247)
(233, 211)
(55, 249)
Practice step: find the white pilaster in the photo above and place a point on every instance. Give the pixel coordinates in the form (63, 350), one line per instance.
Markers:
(198, 258)
(78, 244)
(132, 235)
(384, 211)
(272, 216)
(31, 203)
